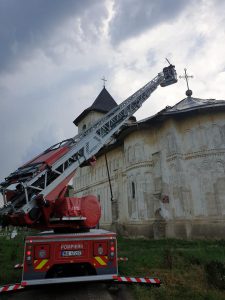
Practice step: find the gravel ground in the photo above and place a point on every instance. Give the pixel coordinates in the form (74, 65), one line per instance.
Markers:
(86, 291)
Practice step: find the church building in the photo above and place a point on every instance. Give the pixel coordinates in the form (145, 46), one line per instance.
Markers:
(166, 173)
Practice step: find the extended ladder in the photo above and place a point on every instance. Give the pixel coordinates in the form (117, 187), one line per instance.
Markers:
(82, 147)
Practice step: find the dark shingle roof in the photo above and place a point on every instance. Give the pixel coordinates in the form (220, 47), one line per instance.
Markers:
(187, 105)
(190, 103)
(103, 103)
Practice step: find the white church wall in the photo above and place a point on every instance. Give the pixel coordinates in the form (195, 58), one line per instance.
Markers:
(138, 171)
(193, 168)
(170, 178)
(87, 121)
(94, 180)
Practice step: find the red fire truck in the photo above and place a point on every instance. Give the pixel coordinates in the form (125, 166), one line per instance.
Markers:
(70, 257)
(35, 196)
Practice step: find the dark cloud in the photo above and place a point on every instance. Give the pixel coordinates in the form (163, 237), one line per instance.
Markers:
(133, 17)
(33, 120)
(29, 24)
(41, 141)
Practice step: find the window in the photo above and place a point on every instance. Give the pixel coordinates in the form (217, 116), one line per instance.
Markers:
(133, 189)
(84, 127)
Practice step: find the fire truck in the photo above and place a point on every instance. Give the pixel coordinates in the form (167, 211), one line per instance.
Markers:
(70, 249)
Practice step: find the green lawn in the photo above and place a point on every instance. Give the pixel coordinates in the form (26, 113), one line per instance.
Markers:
(11, 253)
(187, 269)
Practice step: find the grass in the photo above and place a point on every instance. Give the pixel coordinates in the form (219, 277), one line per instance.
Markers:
(11, 253)
(188, 269)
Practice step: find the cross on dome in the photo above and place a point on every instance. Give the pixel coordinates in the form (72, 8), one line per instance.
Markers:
(186, 76)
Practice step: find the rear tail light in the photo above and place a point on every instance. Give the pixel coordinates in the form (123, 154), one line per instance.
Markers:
(28, 254)
(29, 260)
(112, 249)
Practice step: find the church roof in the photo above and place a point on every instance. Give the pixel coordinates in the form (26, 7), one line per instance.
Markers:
(185, 106)
(189, 104)
(103, 103)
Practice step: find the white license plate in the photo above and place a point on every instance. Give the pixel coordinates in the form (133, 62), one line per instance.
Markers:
(71, 253)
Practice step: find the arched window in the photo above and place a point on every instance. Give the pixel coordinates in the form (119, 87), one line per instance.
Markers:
(133, 189)
(84, 127)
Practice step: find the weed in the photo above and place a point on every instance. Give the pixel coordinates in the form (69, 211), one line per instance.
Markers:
(13, 255)
(179, 264)
(215, 272)
(168, 258)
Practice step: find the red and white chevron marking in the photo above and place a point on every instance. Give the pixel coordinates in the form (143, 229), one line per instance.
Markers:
(122, 259)
(11, 287)
(18, 266)
(137, 280)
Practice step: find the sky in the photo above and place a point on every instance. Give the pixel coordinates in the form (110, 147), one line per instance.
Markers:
(53, 54)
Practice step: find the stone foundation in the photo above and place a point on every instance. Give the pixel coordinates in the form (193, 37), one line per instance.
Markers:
(179, 229)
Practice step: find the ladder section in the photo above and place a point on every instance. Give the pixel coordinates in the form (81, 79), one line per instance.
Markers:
(93, 139)
(84, 146)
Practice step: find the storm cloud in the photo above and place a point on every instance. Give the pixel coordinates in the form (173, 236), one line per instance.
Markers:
(134, 17)
(28, 25)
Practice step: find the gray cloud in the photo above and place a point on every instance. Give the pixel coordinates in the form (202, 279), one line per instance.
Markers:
(41, 141)
(29, 24)
(31, 121)
(30, 112)
(134, 17)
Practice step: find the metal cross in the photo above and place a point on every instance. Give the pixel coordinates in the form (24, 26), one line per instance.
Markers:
(186, 76)
(104, 80)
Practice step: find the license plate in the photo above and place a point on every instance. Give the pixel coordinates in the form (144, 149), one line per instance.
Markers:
(71, 253)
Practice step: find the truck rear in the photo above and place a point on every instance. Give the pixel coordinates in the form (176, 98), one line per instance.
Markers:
(70, 257)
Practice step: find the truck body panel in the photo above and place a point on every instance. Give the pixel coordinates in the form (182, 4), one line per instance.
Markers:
(70, 257)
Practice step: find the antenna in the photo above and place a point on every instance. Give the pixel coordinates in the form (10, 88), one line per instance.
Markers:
(168, 61)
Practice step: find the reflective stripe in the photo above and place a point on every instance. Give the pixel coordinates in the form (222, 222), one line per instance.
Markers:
(137, 279)
(42, 264)
(122, 259)
(18, 266)
(12, 287)
(100, 261)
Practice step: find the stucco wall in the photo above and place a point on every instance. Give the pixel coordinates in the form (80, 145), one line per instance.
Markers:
(89, 120)
(168, 180)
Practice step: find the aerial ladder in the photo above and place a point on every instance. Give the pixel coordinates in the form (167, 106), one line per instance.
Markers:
(34, 195)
